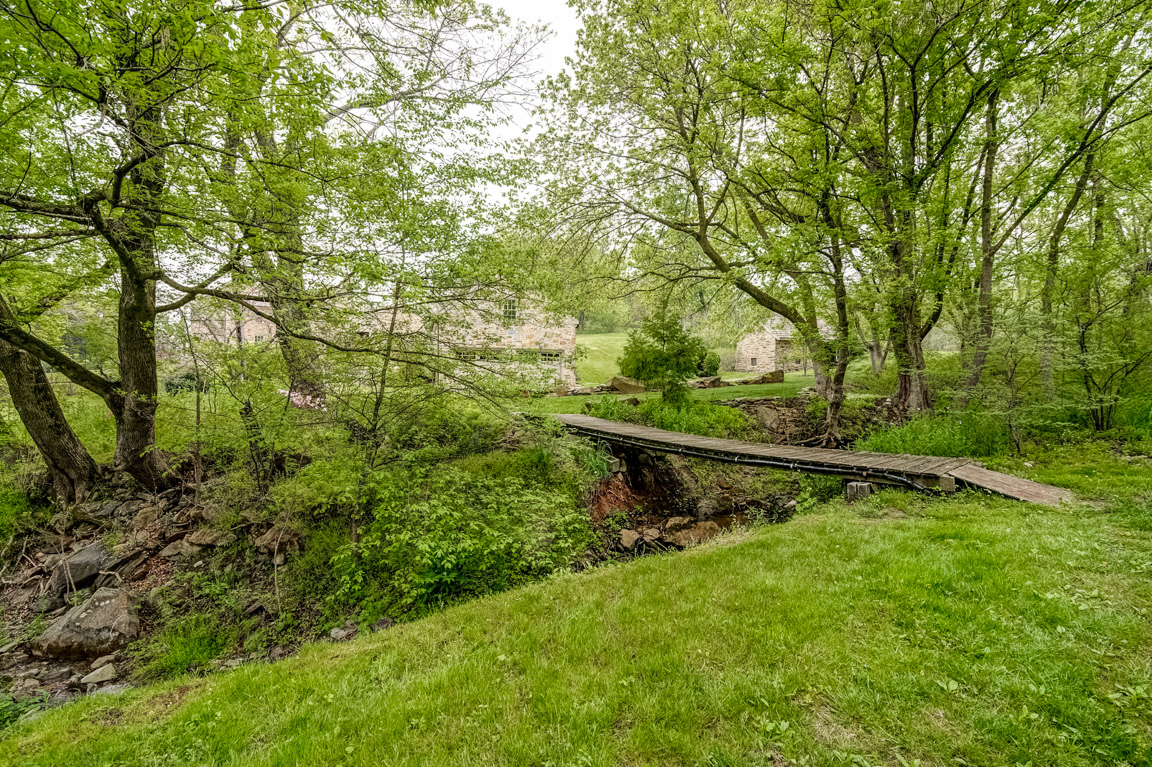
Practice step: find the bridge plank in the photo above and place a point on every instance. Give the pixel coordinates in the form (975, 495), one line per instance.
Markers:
(1010, 486)
(934, 470)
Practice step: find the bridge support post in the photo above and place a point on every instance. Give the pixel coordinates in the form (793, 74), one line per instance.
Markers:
(857, 491)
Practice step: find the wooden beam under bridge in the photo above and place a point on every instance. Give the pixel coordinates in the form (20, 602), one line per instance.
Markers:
(918, 472)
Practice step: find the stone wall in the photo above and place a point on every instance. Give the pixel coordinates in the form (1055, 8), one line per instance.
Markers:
(775, 346)
(756, 353)
(525, 326)
(549, 341)
(233, 325)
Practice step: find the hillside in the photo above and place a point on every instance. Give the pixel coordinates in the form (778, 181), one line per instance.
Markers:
(959, 631)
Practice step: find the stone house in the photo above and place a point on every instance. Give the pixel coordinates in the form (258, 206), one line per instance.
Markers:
(233, 324)
(775, 345)
(494, 334)
(515, 331)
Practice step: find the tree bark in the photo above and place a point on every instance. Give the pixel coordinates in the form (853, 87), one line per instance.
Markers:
(134, 404)
(70, 465)
(987, 250)
(1052, 268)
(133, 237)
(912, 391)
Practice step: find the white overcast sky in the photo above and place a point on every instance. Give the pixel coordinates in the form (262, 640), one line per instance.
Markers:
(561, 19)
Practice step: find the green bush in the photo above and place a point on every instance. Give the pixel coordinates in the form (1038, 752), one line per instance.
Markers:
(690, 416)
(709, 364)
(1135, 414)
(321, 486)
(816, 489)
(310, 581)
(968, 434)
(663, 355)
(442, 534)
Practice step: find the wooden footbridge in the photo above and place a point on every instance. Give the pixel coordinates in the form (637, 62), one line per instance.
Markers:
(918, 472)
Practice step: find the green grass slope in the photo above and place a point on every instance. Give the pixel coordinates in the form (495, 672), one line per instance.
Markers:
(600, 355)
(793, 383)
(966, 630)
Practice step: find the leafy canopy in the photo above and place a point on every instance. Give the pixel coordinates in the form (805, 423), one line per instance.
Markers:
(663, 355)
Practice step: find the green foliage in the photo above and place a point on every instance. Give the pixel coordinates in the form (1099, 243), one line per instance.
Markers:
(968, 434)
(186, 644)
(16, 511)
(11, 710)
(689, 416)
(324, 485)
(607, 317)
(440, 535)
(663, 355)
(310, 579)
(1136, 414)
(708, 364)
(816, 490)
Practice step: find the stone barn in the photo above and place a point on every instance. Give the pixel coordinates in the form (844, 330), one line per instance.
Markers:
(513, 331)
(774, 346)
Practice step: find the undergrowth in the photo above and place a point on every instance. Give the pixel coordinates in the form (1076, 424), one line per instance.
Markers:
(690, 417)
(966, 434)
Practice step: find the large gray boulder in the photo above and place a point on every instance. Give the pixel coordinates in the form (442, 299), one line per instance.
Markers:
(626, 385)
(78, 570)
(104, 623)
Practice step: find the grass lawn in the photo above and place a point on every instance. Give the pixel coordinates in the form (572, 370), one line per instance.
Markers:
(793, 382)
(603, 349)
(599, 363)
(903, 630)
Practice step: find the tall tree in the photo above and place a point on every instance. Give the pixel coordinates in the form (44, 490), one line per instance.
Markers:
(703, 118)
(211, 149)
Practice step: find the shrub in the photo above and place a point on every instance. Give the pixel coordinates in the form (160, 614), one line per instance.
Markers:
(1135, 414)
(816, 489)
(690, 416)
(968, 434)
(663, 355)
(708, 364)
(442, 534)
(320, 486)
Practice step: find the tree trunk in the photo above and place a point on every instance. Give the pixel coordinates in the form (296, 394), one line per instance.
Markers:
(912, 391)
(839, 348)
(133, 235)
(300, 356)
(877, 356)
(134, 406)
(1052, 268)
(987, 251)
(71, 467)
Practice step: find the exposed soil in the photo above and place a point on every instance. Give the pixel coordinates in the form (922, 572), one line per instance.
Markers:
(800, 420)
(655, 503)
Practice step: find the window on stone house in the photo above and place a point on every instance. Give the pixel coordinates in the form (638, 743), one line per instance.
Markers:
(258, 339)
(753, 362)
(510, 310)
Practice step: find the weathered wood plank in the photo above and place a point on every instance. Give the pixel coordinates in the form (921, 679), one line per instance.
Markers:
(918, 470)
(1010, 486)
